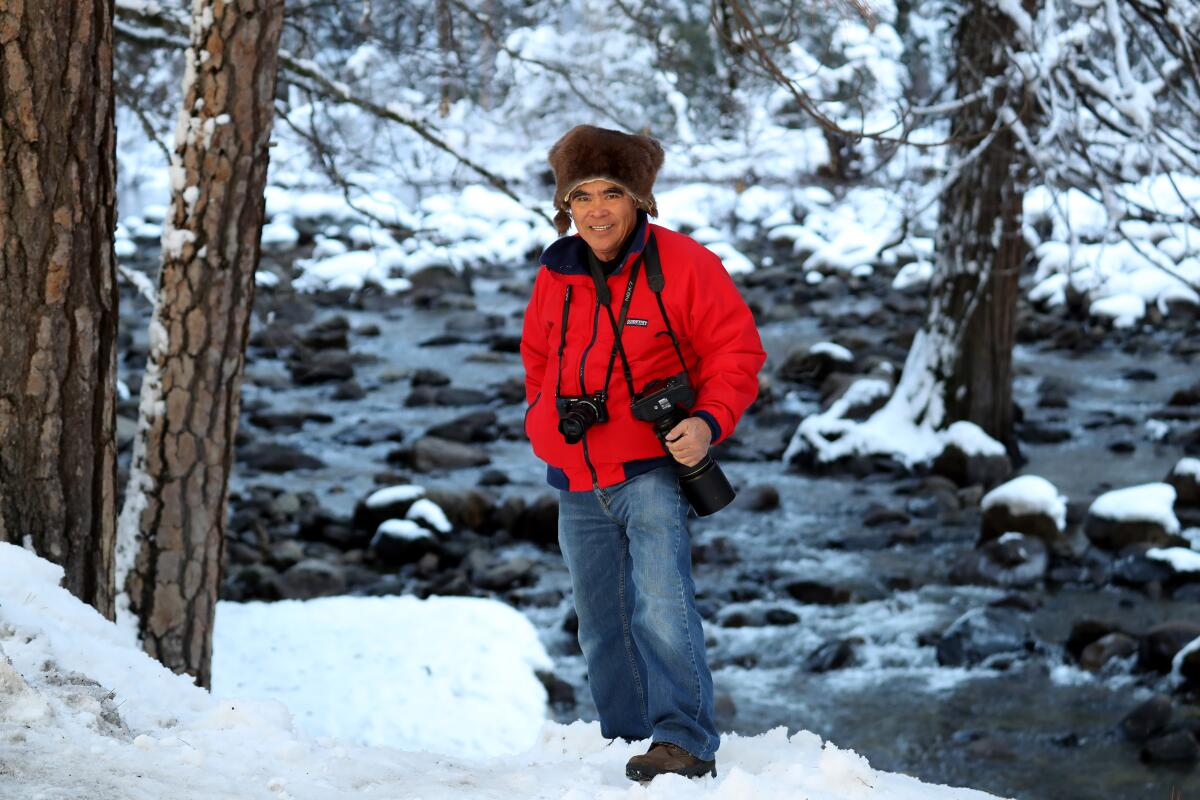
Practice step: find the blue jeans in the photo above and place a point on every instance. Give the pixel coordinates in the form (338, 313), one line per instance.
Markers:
(629, 554)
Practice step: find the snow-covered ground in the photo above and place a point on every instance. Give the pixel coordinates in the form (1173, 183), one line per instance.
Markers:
(85, 715)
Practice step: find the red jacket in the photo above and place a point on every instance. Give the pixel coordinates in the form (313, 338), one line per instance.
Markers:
(717, 336)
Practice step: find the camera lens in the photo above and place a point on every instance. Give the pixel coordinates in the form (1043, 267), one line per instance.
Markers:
(573, 423)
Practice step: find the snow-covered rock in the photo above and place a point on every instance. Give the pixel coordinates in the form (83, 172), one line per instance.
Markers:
(1027, 504)
(1131, 515)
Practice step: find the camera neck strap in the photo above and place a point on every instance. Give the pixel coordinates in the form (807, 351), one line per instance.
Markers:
(604, 297)
(656, 282)
(562, 341)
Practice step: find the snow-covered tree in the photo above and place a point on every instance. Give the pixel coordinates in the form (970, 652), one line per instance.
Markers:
(58, 296)
(172, 526)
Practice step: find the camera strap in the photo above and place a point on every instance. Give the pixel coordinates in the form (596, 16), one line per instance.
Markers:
(562, 341)
(656, 282)
(604, 297)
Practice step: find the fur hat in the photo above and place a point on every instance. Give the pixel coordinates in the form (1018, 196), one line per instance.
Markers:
(587, 153)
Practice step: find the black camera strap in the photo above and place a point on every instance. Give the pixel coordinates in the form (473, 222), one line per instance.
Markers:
(656, 282)
(562, 341)
(605, 298)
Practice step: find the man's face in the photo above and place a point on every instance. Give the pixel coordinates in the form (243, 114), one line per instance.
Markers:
(604, 214)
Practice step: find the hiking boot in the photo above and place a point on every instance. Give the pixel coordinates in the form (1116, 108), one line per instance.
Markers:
(665, 757)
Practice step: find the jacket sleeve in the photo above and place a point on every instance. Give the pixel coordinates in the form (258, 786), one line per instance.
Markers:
(535, 349)
(726, 341)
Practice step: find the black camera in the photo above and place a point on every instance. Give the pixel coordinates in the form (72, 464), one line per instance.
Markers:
(664, 403)
(577, 413)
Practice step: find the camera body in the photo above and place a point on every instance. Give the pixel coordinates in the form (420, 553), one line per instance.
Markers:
(664, 403)
(577, 413)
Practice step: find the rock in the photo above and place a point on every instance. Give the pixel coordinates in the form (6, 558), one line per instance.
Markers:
(1041, 433)
(430, 377)
(477, 426)
(391, 502)
(780, 616)
(329, 334)
(1122, 446)
(1053, 392)
(833, 655)
(1133, 568)
(1147, 719)
(759, 497)
(311, 578)
(1013, 560)
(274, 339)
(721, 550)
(1189, 670)
(421, 396)
(1086, 631)
(1105, 649)
(813, 593)
(473, 322)
(252, 582)
(325, 366)
(505, 575)
(966, 469)
(1028, 505)
(287, 420)
(272, 457)
(560, 694)
(464, 508)
(459, 396)
(1117, 534)
(402, 541)
(882, 515)
(1189, 396)
(811, 368)
(1177, 747)
(537, 522)
(349, 390)
(1185, 478)
(981, 634)
(430, 454)
(493, 477)
(282, 555)
(1160, 644)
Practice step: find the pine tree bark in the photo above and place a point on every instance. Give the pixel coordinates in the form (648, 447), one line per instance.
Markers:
(58, 297)
(184, 451)
(960, 365)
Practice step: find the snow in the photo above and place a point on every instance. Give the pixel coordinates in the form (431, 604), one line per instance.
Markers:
(834, 350)
(394, 494)
(1123, 309)
(92, 716)
(1029, 494)
(1150, 502)
(429, 512)
(971, 439)
(1181, 559)
(400, 529)
(1187, 466)
(450, 675)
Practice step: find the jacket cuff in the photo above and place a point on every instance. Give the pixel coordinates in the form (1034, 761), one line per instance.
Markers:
(711, 421)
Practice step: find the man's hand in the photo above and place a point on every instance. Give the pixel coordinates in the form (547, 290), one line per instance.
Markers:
(689, 440)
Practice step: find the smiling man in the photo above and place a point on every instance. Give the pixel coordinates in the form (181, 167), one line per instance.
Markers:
(617, 310)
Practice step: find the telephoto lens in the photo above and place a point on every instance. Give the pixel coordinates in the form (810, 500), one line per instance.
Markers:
(704, 484)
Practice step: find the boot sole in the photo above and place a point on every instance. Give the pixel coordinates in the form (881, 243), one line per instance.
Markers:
(698, 771)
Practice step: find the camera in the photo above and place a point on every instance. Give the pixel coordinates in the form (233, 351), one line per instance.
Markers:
(664, 404)
(577, 413)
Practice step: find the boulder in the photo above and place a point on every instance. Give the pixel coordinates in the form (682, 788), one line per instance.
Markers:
(1147, 719)
(759, 497)
(981, 634)
(967, 467)
(1185, 479)
(391, 502)
(814, 593)
(1086, 631)
(1137, 514)
(311, 578)
(274, 457)
(465, 508)
(1014, 560)
(1105, 649)
(813, 365)
(1160, 644)
(1176, 747)
(477, 426)
(402, 541)
(432, 454)
(1028, 505)
(833, 655)
(324, 366)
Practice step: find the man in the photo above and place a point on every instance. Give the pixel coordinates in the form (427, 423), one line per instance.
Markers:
(591, 341)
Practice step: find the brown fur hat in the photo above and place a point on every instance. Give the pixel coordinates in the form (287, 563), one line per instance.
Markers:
(587, 153)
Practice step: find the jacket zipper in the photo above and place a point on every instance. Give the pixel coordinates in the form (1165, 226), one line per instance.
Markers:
(583, 360)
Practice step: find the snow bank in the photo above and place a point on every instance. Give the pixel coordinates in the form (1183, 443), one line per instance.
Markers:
(86, 715)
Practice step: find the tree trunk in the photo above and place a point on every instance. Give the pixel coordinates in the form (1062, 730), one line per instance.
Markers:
(960, 365)
(58, 296)
(173, 522)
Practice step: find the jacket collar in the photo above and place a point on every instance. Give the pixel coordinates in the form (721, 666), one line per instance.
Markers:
(568, 255)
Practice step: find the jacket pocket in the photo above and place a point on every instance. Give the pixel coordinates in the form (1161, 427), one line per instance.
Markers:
(525, 424)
